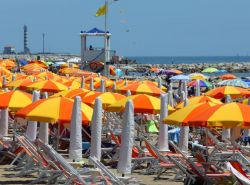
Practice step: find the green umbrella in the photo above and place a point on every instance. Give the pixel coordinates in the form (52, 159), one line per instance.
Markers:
(210, 70)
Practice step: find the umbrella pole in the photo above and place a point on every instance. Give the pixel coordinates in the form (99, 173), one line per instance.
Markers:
(206, 132)
(58, 137)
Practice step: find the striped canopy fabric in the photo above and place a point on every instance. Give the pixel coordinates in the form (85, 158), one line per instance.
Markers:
(234, 92)
(107, 98)
(199, 99)
(227, 115)
(71, 93)
(15, 100)
(182, 116)
(142, 104)
(47, 86)
(58, 109)
(142, 89)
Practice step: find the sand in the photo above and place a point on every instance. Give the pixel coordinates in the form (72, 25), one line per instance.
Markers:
(7, 176)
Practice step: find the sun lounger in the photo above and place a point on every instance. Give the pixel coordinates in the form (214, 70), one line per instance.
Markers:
(71, 175)
(35, 161)
(202, 170)
(236, 169)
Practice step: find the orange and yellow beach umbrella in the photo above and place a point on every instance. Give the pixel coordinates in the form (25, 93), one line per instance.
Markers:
(142, 104)
(182, 116)
(142, 89)
(47, 86)
(70, 93)
(234, 92)
(199, 99)
(15, 100)
(21, 83)
(107, 98)
(227, 115)
(52, 110)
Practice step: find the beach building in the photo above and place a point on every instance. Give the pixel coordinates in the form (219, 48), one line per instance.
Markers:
(9, 50)
(96, 57)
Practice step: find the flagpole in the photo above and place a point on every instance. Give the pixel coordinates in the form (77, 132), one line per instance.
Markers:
(105, 41)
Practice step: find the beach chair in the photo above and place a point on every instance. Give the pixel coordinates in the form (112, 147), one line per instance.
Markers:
(236, 169)
(8, 149)
(163, 161)
(106, 171)
(70, 174)
(224, 152)
(203, 169)
(36, 162)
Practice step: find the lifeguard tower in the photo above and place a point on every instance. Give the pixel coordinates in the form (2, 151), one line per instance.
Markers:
(91, 55)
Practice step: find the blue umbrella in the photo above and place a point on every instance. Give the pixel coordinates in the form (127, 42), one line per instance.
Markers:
(180, 77)
(23, 62)
(222, 71)
(118, 72)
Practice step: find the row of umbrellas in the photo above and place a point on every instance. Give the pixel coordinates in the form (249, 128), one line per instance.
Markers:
(21, 103)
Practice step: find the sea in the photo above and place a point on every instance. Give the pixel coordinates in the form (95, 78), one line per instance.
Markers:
(193, 60)
(188, 59)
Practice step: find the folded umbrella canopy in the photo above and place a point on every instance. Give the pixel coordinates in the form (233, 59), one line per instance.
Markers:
(53, 110)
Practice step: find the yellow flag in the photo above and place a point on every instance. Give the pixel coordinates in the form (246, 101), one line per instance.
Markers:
(101, 11)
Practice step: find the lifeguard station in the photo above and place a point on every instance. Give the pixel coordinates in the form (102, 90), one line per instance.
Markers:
(96, 59)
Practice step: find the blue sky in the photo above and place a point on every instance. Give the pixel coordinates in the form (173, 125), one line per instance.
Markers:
(139, 28)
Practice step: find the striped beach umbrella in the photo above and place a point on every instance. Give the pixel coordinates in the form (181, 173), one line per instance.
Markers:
(70, 93)
(72, 84)
(226, 115)
(47, 86)
(234, 92)
(107, 98)
(142, 104)
(202, 84)
(15, 100)
(8, 64)
(19, 83)
(197, 76)
(138, 88)
(52, 110)
(199, 99)
(46, 74)
(4, 71)
(182, 116)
